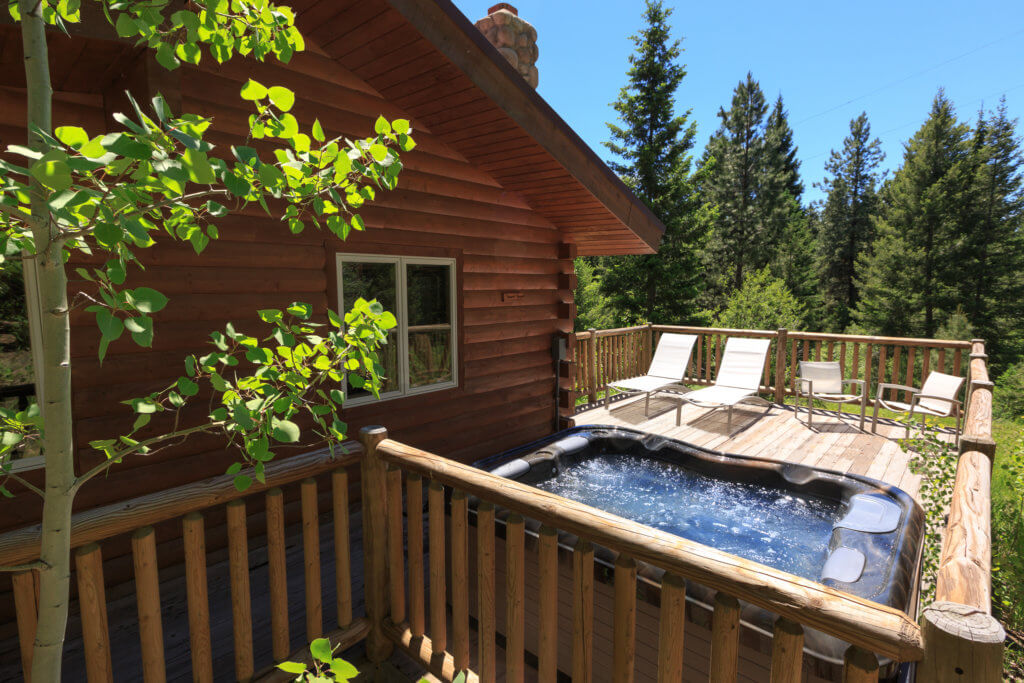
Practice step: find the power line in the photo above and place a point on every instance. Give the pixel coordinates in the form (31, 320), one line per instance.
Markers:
(910, 77)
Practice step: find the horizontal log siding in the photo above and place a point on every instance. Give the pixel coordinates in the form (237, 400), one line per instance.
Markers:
(443, 202)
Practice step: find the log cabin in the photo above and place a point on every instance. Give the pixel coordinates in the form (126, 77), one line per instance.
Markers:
(474, 252)
(477, 241)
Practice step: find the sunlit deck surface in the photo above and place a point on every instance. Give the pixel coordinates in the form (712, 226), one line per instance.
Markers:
(835, 441)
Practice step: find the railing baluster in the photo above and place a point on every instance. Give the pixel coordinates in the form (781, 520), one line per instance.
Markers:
(842, 358)
(515, 602)
(831, 350)
(700, 359)
(624, 620)
(792, 365)
(859, 666)
(787, 651)
(241, 606)
(926, 359)
(547, 598)
(26, 611)
(147, 597)
(719, 342)
(957, 360)
(671, 629)
(414, 504)
(897, 353)
(807, 349)
(911, 352)
(396, 556)
(856, 366)
(583, 612)
(93, 608)
(438, 613)
(311, 558)
(487, 664)
(725, 639)
(817, 350)
(460, 581)
(342, 546)
(882, 348)
(278, 576)
(868, 355)
(194, 536)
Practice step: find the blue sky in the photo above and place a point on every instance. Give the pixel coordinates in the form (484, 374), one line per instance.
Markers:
(890, 57)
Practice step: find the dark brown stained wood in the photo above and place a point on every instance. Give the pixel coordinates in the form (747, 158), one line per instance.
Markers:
(583, 612)
(26, 606)
(194, 535)
(342, 550)
(396, 558)
(311, 560)
(486, 660)
(147, 596)
(515, 623)
(92, 603)
(417, 597)
(438, 610)
(241, 612)
(278, 578)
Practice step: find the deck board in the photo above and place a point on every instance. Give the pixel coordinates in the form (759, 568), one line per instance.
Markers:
(779, 433)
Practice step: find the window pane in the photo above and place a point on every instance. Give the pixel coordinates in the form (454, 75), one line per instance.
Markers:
(430, 357)
(429, 294)
(374, 281)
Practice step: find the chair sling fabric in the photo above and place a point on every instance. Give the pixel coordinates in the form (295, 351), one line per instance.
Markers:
(738, 377)
(668, 366)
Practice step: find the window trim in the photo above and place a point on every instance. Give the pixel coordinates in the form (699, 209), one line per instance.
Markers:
(401, 295)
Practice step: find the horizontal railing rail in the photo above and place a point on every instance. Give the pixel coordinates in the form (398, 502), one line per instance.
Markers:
(189, 504)
(870, 627)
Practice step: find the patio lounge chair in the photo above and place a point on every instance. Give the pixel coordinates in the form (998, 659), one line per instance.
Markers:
(824, 381)
(667, 369)
(938, 397)
(737, 380)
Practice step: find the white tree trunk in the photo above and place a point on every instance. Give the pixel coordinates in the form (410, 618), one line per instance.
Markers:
(55, 551)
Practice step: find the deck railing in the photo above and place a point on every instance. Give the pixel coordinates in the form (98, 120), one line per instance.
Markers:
(603, 356)
(407, 580)
(191, 504)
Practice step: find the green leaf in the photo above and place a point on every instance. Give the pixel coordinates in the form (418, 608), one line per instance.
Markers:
(379, 152)
(301, 310)
(141, 421)
(165, 57)
(110, 325)
(321, 650)
(342, 670)
(188, 52)
(318, 131)
(401, 126)
(283, 98)
(125, 26)
(72, 136)
(291, 667)
(55, 174)
(141, 329)
(253, 91)
(187, 387)
(148, 300)
(381, 126)
(286, 431)
(198, 167)
(242, 482)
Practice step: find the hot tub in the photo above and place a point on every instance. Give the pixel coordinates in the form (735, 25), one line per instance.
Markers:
(846, 531)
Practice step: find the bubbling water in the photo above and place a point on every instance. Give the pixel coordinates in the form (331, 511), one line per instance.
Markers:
(774, 527)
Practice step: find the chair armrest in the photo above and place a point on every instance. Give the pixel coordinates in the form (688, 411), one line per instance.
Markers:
(916, 398)
(805, 383)
(898, 387)
(860, 383)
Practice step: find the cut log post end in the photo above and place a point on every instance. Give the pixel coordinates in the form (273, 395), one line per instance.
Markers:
(962, 643)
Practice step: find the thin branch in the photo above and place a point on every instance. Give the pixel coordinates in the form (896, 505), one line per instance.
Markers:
(118, 457)
(30, 486)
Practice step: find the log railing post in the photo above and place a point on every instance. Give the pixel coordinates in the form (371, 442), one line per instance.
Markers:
(375, 505)
(961, 643)
(780, 365)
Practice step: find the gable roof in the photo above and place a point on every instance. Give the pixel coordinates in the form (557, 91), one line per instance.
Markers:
(427, 58)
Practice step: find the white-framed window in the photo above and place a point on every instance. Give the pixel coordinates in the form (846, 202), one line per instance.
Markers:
(421, 354)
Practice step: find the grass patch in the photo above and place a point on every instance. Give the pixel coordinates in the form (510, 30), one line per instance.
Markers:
(1008, 540)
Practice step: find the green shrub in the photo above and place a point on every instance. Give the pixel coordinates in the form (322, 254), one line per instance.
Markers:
(762, 303)
(1008, 401)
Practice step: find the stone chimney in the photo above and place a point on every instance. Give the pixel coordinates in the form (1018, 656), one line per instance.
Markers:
(515, 39)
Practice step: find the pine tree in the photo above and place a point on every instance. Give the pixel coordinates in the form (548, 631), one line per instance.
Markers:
(845, 228)
(752, 179)
(992, 252)
(908, 281)
(652, 146)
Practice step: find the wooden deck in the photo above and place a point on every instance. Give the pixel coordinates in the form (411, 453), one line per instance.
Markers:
(780, 433)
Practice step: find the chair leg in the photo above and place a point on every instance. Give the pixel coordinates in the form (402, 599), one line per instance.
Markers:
(863, 405)
(874, 418)
(679, 413)
(607, 397)
(810, 411)
(647, 405)
(728, 421)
